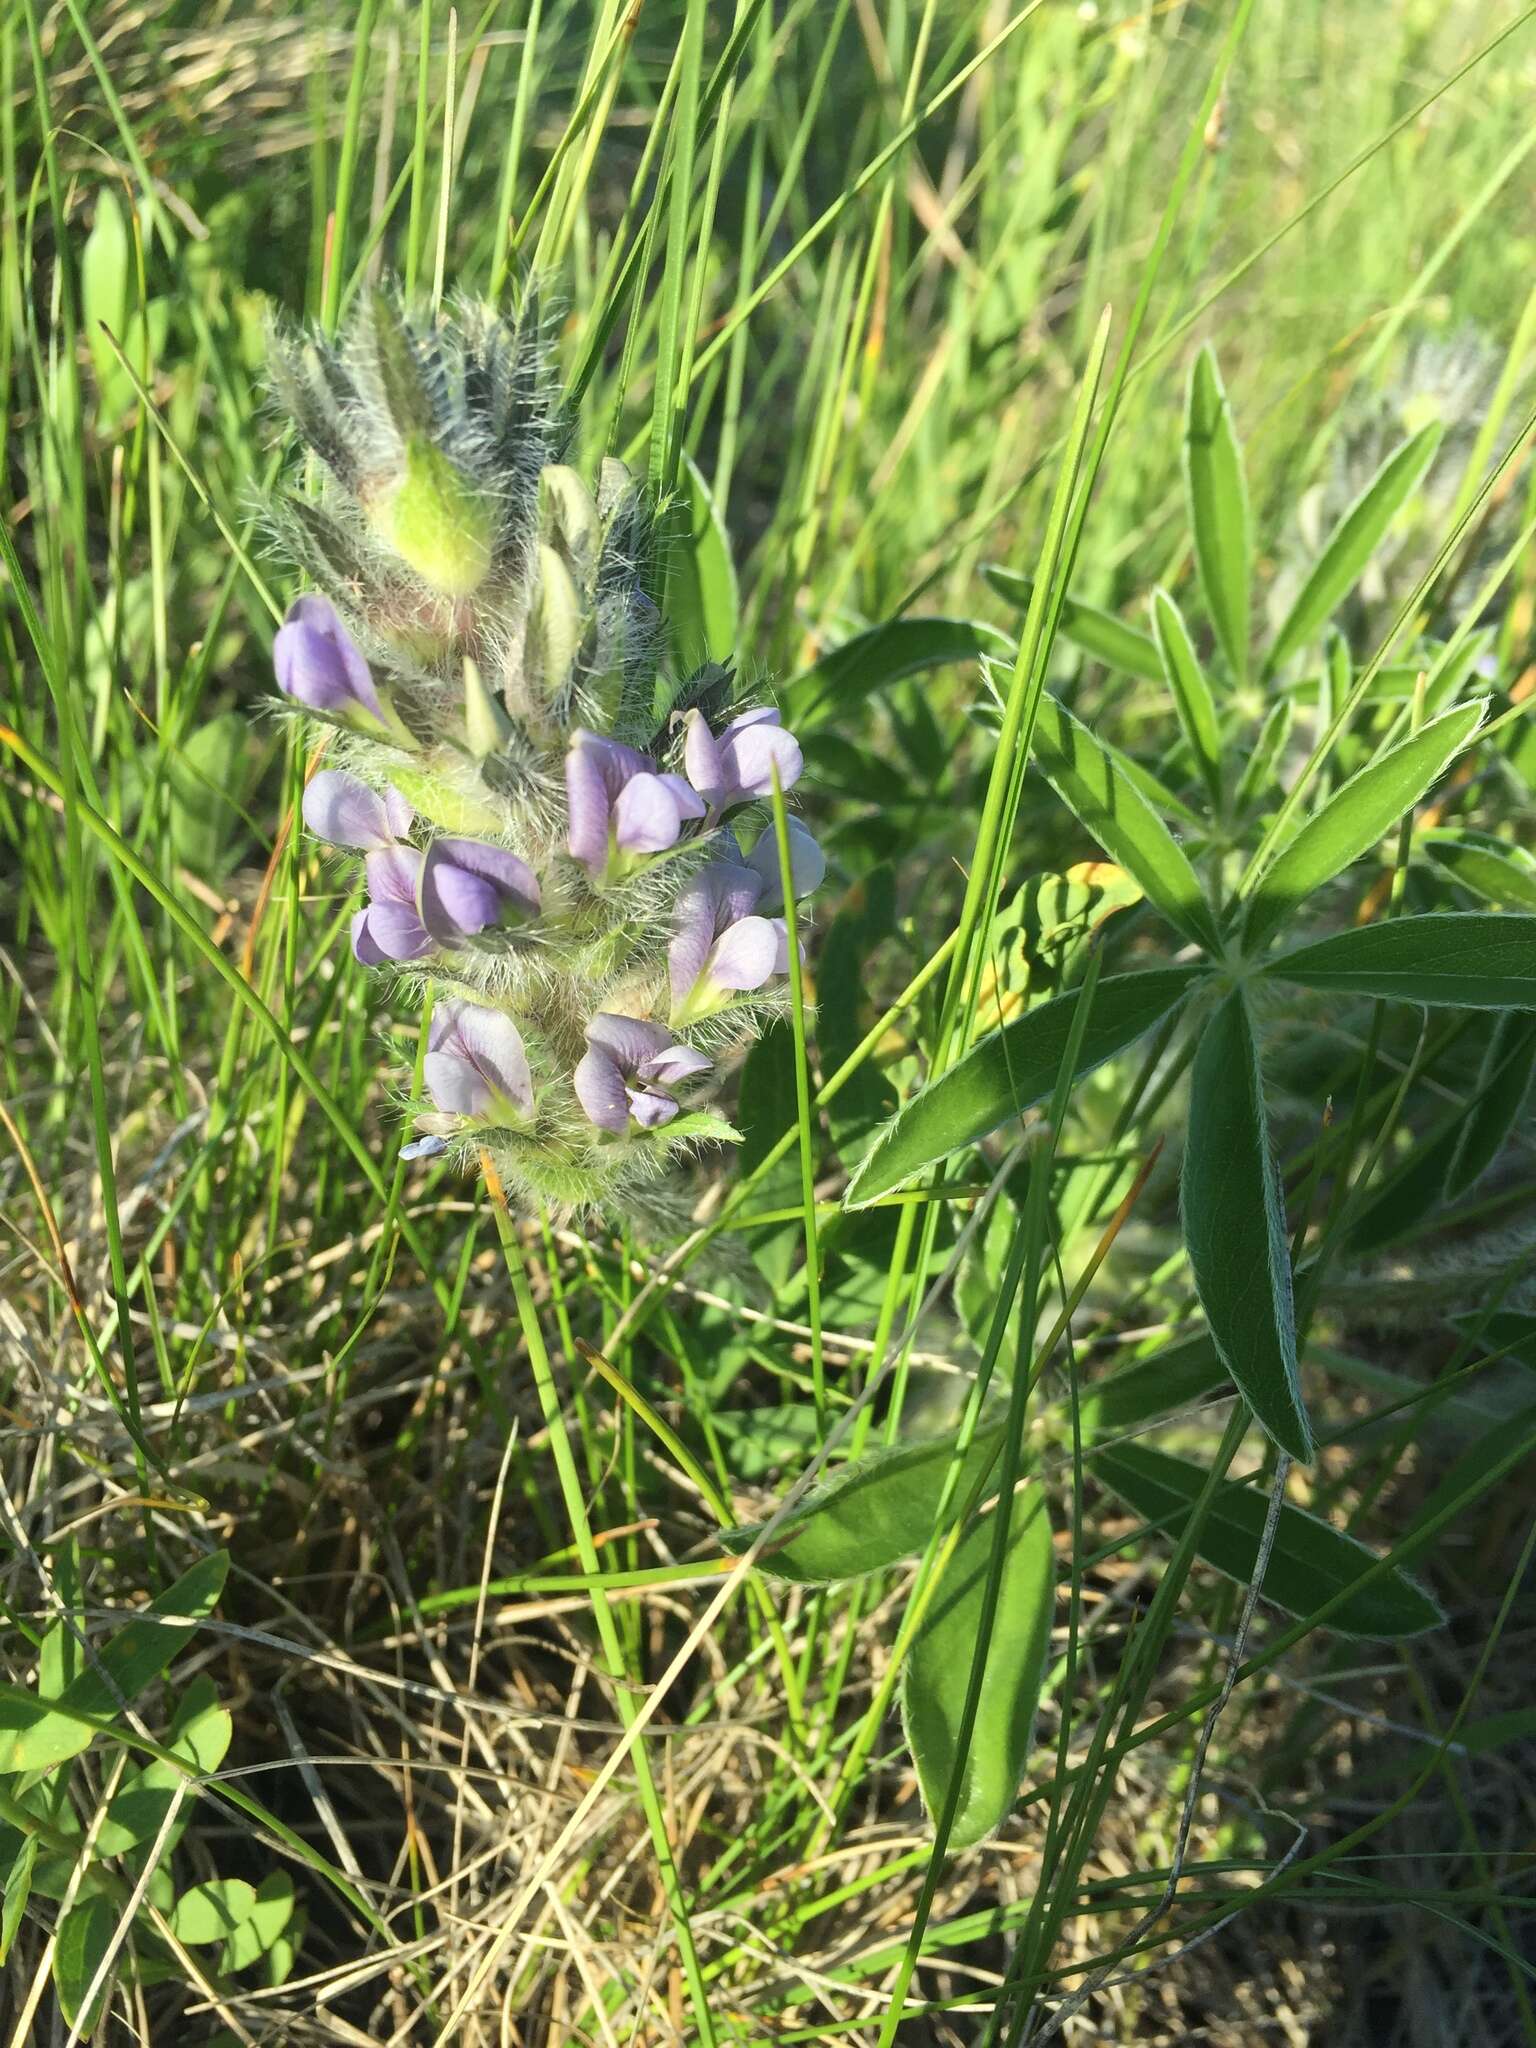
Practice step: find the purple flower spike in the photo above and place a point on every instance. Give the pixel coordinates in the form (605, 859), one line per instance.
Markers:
(807, 864)
(346, 812)
(620, 805)
(318, 666)
(476, 1064)
(390, 928)
(466, 886)
(719, 946)
(738, 767)
(628, 1072)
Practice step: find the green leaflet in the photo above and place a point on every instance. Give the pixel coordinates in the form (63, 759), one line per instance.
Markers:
(272, 1905)
(871, 1514)
(1096, 632)
(17, 1887)
(1234, 1227)
(937, 1675)
(1479, 960)
(882, 656)
(1170, 1378)
(1503, 1084)
(702, 606)
(1311, 1561)
(1010, 1070)
(1502, 875)
(1356, 817)
(38, 1733)
(1218, 508)
(1191, 692)
(212, 1910)
(1352, 543)
(1090, 780)
(84, 1936)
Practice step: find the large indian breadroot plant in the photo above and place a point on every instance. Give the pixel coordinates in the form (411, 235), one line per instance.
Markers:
(565, 838)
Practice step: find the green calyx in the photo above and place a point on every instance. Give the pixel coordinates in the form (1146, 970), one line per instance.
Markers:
(438, 521)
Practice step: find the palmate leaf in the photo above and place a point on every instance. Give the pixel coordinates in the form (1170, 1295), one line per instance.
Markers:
(1352, 543)
(1090, 780)
(1218, 508)
(871, 1514)
(937, 1675)
(1311, 1562)
(1010, 1071)
(1234, 1226)
(1479, 960)
(1356, 818)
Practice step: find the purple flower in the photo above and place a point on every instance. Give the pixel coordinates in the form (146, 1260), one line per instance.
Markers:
(719, 946)
(318, 666)
(476, 1065)
(738, 767)
(389, 927)
(628, 1072)
(620, 804)
(339, 808)
(807, 864)
(465, 887)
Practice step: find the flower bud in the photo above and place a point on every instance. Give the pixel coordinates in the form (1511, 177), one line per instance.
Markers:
(438, 520)
(317, 665)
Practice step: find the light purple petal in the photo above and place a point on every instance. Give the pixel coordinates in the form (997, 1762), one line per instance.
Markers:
(343, 810)
(586, 798)
(600, 1090)
(750, 754)
(701, 758)
(453, 903)
(423, 1148)
(807, 864)
(747, 954)
(629, 1041)
(395, 930)
(398, 812)
(515, 881)
(764, 714)
(454, 1085)
(689, 803)
(673, 1064)
(493, 1043)
(650, 1110)
(317, 664)
(645, 817)
(363, 948)
(392, 875)
(707, 902)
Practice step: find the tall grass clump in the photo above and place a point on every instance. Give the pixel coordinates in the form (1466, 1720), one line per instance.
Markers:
(585, 1458)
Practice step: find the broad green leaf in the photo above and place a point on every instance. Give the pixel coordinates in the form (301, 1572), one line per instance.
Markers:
(1407, 1194)
(1234, 1227)
(1170, 1379)
(937, 1675)
(1311, 1561)
(44, 1733)
(1478, 961)
(871, 1514)
(1096, 632)
(1218, 507)
(84, 1937)
(200, 1734)
(702, 607)
(1191, 693)
(1503, 1084)
(1091, 782)
(271, 1910)
(1504, 875)
(1352, 543)
(17, 1887)
(212, 1910)
(1355, 818)
(884, 655)
(1010, 1071)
